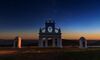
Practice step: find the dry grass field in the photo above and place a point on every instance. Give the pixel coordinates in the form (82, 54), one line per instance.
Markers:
(49, 54)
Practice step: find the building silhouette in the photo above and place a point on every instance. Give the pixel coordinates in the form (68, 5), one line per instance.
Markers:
(50, 36)
(82, 42)
(17, 42)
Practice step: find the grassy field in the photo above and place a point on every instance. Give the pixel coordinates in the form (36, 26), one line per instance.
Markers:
(49, 54)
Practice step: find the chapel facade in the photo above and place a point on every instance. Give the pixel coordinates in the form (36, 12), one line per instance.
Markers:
(50, 36)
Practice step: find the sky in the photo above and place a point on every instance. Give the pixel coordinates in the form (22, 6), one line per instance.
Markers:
(76, 18)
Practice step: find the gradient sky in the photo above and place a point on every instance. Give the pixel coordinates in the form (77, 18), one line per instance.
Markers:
(75, 17)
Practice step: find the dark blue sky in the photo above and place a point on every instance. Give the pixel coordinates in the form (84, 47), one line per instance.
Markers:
(81, 16)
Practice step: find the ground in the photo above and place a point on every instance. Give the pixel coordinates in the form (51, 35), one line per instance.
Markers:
(33, 53)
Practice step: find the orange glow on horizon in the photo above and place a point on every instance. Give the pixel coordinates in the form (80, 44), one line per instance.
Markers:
(65, 35)
(89, 36)
(23, 35)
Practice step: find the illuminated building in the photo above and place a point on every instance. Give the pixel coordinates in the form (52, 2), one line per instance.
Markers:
(82, 43)
(17, 42)
(50, 34)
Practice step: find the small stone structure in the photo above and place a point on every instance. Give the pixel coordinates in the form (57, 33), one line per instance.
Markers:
(17, 42)
(50, 36)
(82, 42)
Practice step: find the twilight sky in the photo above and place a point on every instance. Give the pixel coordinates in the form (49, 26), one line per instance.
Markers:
(75, 17)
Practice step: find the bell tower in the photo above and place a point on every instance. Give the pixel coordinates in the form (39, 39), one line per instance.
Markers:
(50, 26)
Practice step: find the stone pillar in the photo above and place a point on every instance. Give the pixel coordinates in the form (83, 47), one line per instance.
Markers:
(40, 42)
(19, 42)
(59, 43)
(53, 42)
(46, 42)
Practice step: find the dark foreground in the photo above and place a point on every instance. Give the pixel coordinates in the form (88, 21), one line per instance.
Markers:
(49, 54)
